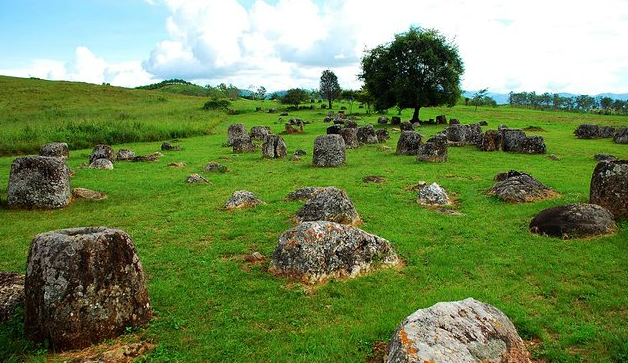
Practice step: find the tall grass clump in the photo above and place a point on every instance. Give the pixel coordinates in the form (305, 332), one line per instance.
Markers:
(34, 112)
(81, 135)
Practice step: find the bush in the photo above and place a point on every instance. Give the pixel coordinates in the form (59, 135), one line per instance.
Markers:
(217, 104)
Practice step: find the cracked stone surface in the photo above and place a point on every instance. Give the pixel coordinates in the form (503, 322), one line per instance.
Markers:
(516, 141)
(83, 285)
(432, 194)
(609, 187)
(241, 199)
(434, 150)
(235, 132)
(520, 187)
(303, 194)
(259, 132)
(11, 294)
(350, 136)
(88, 194)
(125, 154)
(329, 151)
(319, 250)
(39, 182)
(103, 164)
(491, 140)
(366, 134)
(274, 147)
(466, 331)
(329, 204)
(621, 136)
(408, 144)
(573, 221)
(55, 149)
(102, 151)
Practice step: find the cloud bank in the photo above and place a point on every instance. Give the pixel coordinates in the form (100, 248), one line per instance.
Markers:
(557, 46)
(534, 45)
(85, 67)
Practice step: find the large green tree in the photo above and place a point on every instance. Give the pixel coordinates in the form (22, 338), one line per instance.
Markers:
(329, 87)
(420, 68)
(295, 96)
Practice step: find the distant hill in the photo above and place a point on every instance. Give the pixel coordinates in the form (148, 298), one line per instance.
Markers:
(35, 111)
(502, 98)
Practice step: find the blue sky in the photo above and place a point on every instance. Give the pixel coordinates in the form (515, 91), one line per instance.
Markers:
(535, 45)
(122, 30)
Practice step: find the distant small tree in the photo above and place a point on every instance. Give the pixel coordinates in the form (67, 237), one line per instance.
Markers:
(606, 103)
(481, 98)
(295, 96)
(260, 93)
(329, 87)
(364, 97)
(315, 94)
(231, 92)
(350, 96)
(585, 102)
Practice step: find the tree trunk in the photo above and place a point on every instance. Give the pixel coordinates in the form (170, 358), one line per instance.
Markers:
(329, 100)
(415, 115)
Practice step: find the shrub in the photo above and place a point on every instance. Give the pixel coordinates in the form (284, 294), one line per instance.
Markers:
(217, 104)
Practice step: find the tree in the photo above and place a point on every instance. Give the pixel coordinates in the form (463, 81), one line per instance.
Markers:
(420, 68)
(260, 94)
(231, 92)
(363, 96)
(295, 96)
(329, 87)
(606, 103)
(350, 96)
(479, 98)
(585, 102)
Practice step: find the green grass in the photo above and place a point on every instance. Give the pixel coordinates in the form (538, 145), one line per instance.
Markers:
(568, 296)
(34, 112)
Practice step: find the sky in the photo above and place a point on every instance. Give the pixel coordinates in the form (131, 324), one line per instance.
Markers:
(575, 46)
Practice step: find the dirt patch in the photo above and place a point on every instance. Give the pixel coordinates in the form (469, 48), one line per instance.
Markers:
(374, 179)
(378, 352)
(176, 165)
(121, 351)
(531, 346)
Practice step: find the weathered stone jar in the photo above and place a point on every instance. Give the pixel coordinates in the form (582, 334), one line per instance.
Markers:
(609, 187)
(329, 150)
(466, 331)
(39, 182)
(83, 285)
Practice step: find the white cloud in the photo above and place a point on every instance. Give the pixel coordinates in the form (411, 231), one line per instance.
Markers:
(85, 67)
(534, 45)
(537, 45)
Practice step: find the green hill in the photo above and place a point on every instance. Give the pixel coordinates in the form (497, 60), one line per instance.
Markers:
(34, 111)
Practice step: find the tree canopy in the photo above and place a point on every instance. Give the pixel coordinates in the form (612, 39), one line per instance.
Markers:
(481, 98)
(329, 87)
(420, 68)
(295, 96)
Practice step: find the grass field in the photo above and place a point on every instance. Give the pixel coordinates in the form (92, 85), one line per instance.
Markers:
(568, 298)
(33, 112)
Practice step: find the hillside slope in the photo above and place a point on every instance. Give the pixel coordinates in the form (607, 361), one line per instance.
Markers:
(34, 111)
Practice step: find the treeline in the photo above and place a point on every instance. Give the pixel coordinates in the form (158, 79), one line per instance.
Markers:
(582, 103)
(168, 82)
(184, 87)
